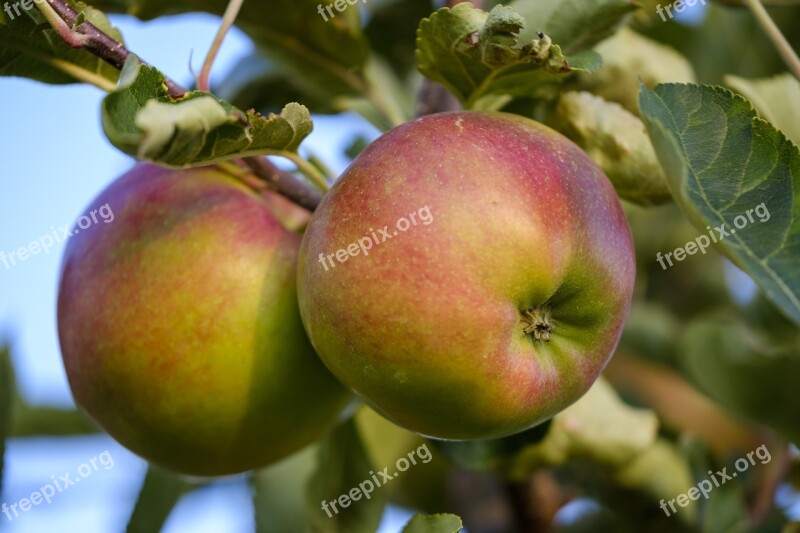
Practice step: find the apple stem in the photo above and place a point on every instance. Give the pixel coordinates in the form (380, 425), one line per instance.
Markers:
(537, 323)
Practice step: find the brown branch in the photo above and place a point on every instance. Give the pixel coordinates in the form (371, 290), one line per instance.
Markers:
(435, 98)
(102, 45)
(285, 183)
(114, 53)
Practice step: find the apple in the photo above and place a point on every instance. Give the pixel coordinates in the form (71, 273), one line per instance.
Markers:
(180, 330)
(468, 276)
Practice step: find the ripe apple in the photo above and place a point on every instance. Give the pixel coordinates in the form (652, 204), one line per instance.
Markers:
(179, 325)
(469, 275)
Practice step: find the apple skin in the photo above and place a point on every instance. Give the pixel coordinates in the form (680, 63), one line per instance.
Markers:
(428, 328)
(179, 326)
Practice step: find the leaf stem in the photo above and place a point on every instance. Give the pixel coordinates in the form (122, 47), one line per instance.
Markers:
(231, 12)
(308, 170)
(64, 30)
(774, 33)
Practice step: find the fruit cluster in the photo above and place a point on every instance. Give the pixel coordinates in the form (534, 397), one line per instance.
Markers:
(200, 331)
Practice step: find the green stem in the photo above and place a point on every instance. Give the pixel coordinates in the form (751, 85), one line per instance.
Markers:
(394, 116)
(325, 169)
(67, 34)
(231, 12)
(774, 33)
(308, 170)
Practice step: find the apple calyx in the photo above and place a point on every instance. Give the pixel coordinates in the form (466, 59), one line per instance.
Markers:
(537, 323)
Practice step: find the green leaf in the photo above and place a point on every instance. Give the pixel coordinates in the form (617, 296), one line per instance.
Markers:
(390, 29)
(492, 453)
(30, 48)
(777, 100)
(479, 57)
(279, 493)
(140, 119)
(576, 25)
(160, 493)
(6, 401)
(735, 366)
(342, 476)
(662, 471)
(651, 332)
(724, 165)
(617, 141)
(437, 523)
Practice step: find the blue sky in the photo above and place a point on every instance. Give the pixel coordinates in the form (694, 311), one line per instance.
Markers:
(54, 159)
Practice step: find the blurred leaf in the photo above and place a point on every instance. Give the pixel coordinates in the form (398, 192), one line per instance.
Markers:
(777, 100)
(438, 523)
(617, 141)
(721, 161)
(662, 471)
(478, 56)
(140, 119)
(256, 82)
(383, 441)
(761, 314)
(343, 469)
(391, 30)
(765, 2)
(491, 453)
(394, 98)
(323, 58)
(423, 487)
(356, 147)
(744, 372)
(651, 331)
(6, 402)
(576, 25)
(722, 40)
(628, 59)
(680, 407)
(599, 427)
(611, 506)
(279, 493)
(30, 48)
(726, 509)
(160, 492)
